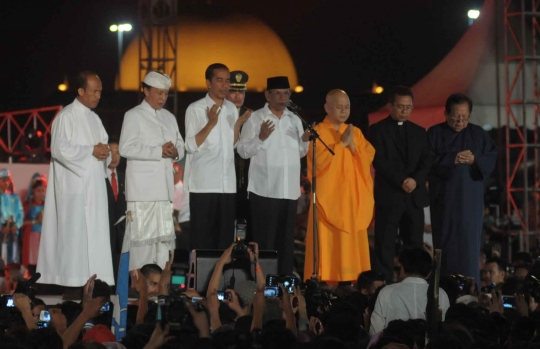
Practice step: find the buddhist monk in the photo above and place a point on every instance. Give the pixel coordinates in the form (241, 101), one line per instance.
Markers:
(344, 196)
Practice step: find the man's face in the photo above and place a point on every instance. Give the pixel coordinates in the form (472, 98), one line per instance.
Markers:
(152, 282)
(497, 276)
(115, 156)
(338, 109)
(277, 99)
(402, 107)
(218, 87)
(90, 96)
(237, 97)
(370, 290)
(156, 97)
(459, 118)
(521, 273)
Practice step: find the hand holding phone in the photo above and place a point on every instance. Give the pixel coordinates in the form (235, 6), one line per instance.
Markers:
(105, 307)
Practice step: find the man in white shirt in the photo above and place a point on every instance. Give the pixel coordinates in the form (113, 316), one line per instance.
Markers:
(75, 235)
(151, 142)
(407, 299)
(212, 131)
(274, 141)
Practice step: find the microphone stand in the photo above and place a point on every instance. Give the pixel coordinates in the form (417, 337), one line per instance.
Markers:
(313, 138)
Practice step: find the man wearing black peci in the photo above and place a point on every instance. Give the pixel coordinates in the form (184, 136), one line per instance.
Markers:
(402, 163)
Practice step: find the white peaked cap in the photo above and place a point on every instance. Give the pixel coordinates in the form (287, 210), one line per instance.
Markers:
(158, 80)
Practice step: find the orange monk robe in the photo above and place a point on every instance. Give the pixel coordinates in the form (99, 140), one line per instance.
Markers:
(344, 206)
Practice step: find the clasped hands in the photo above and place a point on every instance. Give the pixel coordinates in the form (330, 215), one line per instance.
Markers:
(408, 185)
(101, 151)
(168, 150)
(348, 137)
(464, 157)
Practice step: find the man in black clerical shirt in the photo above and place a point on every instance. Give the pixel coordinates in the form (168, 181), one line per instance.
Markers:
(402, 163)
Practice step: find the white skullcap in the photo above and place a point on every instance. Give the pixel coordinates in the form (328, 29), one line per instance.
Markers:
(158, 80)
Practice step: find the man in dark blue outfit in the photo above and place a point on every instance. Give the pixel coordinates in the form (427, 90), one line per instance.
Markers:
(463, 158)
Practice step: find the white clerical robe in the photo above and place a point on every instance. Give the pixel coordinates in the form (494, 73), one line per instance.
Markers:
(75, 240)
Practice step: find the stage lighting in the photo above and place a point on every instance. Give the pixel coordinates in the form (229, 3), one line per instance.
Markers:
(126, 27)
(299, 89)
(113, 28)
(473, 14)
(62, 87)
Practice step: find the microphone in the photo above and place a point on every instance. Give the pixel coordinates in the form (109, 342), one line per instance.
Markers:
(292, 105)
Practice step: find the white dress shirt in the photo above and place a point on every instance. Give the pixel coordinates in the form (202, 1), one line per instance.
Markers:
(210, 166)
(109, 173)
(403, 301)
(274, 169)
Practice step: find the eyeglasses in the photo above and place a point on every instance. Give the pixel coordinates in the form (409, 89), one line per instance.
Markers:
(279, 93)
(402, 107)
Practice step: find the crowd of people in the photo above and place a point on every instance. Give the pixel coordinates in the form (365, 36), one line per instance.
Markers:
(371, 314)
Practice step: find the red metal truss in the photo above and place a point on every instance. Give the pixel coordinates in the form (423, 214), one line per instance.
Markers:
(521, 57)
(16, 124)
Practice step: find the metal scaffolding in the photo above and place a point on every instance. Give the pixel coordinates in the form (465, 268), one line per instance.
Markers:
(158, 42)
(521, 57)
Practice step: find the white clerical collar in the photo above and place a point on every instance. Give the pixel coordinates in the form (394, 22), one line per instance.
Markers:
(400, 123)
(82, 106)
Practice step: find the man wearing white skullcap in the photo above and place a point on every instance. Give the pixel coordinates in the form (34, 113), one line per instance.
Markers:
(151, 142)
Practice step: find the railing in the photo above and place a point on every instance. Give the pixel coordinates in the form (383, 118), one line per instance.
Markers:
(15, 126)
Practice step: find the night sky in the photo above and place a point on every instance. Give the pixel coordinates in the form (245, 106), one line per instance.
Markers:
(334, 43)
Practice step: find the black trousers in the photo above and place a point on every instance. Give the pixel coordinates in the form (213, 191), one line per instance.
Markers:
(273, 228)
(409, 220)
(212, 220)
(181, 253)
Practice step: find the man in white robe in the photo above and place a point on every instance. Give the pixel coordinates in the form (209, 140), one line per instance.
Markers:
(75, 235)
(151, 142)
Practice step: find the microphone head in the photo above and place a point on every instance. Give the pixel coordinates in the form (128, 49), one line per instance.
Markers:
(292, 105)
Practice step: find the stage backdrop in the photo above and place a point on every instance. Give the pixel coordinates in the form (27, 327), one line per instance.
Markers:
(22, 173)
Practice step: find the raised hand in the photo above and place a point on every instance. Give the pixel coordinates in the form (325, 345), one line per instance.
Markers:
(267, 127)
(226, 257)
(22, 302)
(213, 114)
(234, 303)
(160, 336)
(88, 289)
(165, 279)
(242, 119)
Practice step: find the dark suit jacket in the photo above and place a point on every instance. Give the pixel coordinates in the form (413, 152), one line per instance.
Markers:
(393, 166)
(117, 209)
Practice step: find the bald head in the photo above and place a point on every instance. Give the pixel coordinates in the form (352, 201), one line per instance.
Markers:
(337, 107)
